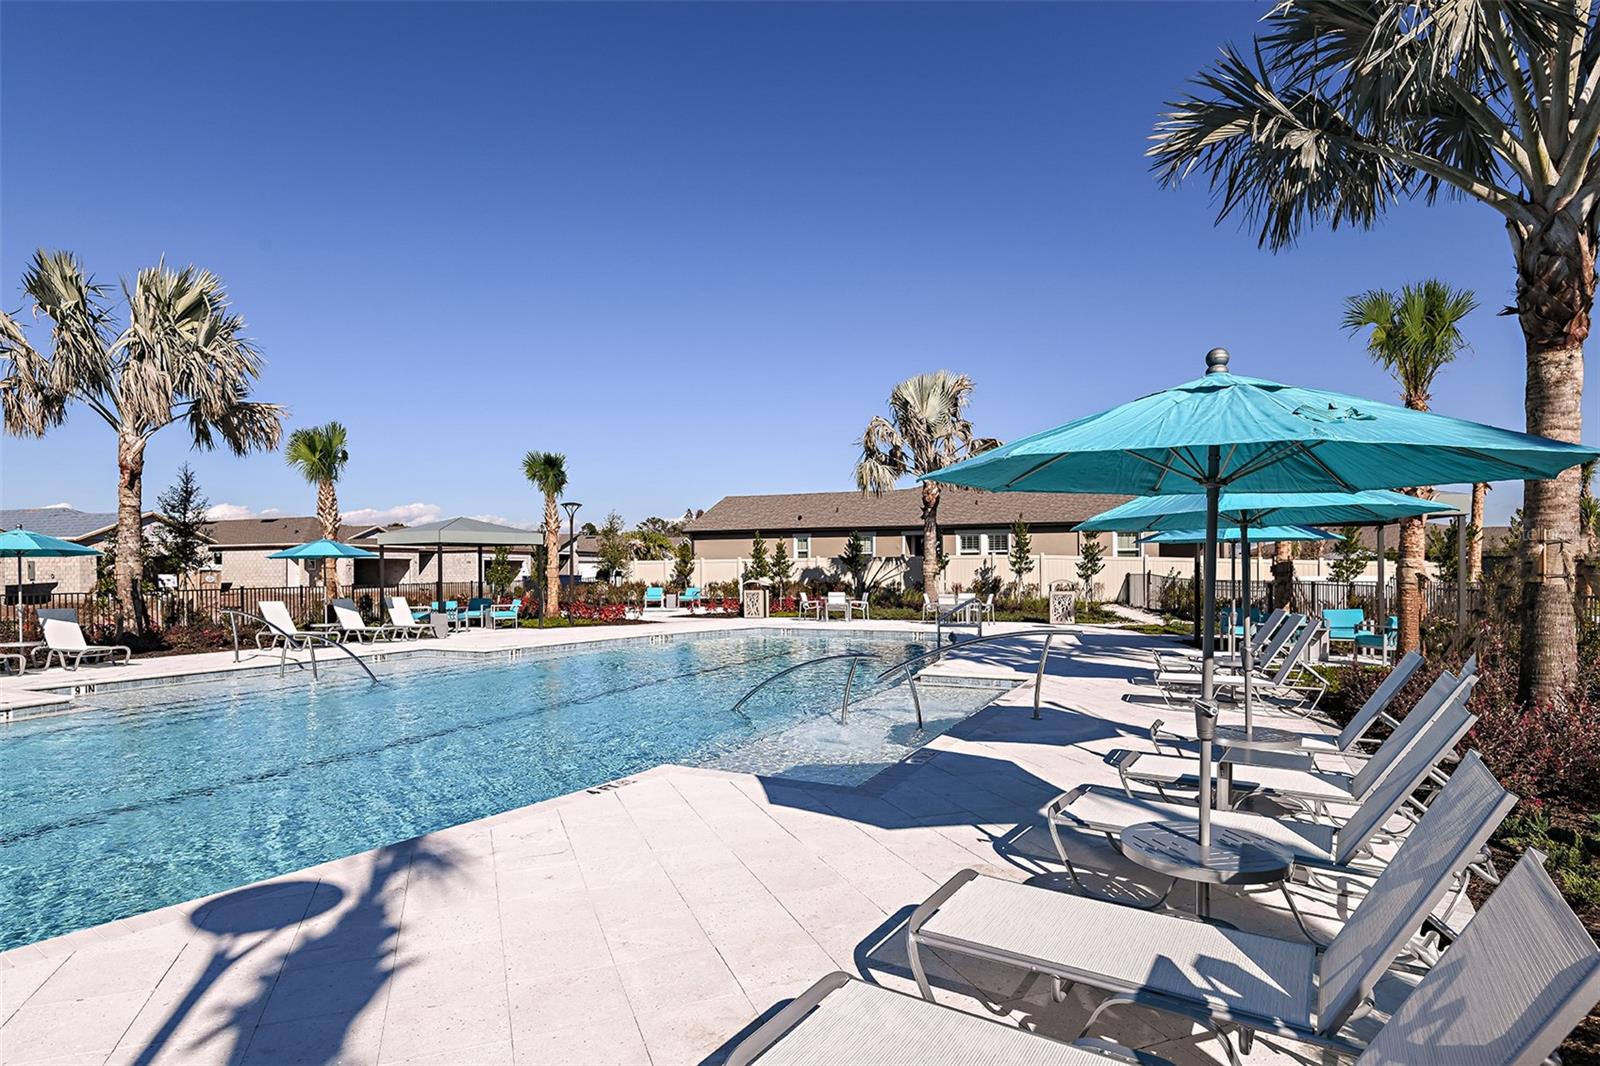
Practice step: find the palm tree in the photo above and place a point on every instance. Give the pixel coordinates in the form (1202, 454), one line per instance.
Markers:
(925, 431)
(320, 454)
(1344, 109)
(547, 471)
(181, 357)
(1414, 333)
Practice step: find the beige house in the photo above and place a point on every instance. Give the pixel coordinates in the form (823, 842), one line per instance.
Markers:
(975, 528)
(43, 578)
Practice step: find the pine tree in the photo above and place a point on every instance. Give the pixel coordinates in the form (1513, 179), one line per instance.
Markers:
(683, 564)
(759, 568)
(854, 561)
(1350, 556)
(781, 570)
(1091, 560)
(182, 546)
(1021, 552)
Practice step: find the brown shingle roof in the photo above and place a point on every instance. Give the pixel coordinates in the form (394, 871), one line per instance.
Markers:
(283, 532)
(899, 509)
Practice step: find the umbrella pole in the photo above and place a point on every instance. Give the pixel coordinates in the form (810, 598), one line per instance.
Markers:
(20, 637)
(1380, 621)
(1205, 715)
(1233, 576)
(1249, 567)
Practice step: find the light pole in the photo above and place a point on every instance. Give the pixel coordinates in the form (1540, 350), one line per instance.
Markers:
(571, 507)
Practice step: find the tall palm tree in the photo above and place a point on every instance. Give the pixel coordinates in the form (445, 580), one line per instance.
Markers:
(320, 454)
(181, 357)
(547, 471)
(1413, 334)
(1343, 109)
(925, 431)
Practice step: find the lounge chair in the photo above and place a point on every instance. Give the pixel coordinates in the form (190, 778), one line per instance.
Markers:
(64, 640)
(1259, 637)
(862, 604)
(349, 623)
(844, 1020)
(1108, 811)
(655, 596)
(504, 612)
(281, 628)
(930, 608)
(806, 607)
(1521, 976)
(1373, 711)
(1297, 776)
(689, 598)
(1296, 684)
(403, 621)
(1223, 979)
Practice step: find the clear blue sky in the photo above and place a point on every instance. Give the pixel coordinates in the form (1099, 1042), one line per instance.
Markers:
(691, 246)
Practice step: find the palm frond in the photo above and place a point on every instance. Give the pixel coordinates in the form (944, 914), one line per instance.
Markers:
(319, 453)
(547, 471)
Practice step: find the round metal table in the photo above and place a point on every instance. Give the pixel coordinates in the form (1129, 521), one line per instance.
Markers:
(1234, 857)
(1261, 738)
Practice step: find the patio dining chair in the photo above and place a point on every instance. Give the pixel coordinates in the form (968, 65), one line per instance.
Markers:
(655, 596)
(836, 601)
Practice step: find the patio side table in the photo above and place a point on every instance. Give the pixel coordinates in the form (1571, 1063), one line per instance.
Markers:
(1234, 857)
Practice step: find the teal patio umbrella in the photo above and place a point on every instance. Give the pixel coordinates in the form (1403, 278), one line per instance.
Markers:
(320, 549)
(25, 544)
(1223, 431)
(1246, 511)
(1233, 533)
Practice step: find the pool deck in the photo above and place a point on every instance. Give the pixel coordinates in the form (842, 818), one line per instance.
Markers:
(653, 920)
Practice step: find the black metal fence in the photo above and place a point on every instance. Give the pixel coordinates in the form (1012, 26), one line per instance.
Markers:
(169, 607)
(1154, 592)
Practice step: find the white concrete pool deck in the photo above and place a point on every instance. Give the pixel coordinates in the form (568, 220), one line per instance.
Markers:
(650, 921)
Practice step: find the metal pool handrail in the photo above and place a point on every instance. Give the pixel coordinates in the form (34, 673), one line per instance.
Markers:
(943, 650)
(971, 603)
(844, 707)
(233, 615)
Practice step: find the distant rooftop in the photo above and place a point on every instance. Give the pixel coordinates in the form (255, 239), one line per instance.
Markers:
(280, 531)
(897, 509)
(65, 522)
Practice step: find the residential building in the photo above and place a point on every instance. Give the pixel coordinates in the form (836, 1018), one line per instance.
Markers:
(44, 577)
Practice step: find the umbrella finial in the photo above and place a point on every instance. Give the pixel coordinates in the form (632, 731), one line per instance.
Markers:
(1217, 361)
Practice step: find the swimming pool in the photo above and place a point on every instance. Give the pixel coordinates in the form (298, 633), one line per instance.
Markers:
(152, 796)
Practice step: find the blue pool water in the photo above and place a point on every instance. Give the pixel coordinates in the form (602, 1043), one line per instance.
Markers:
(157, 795)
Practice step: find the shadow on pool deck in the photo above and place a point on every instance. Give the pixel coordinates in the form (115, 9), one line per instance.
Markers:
(326, 978)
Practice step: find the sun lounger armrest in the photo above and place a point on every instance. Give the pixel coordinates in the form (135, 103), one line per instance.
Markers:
(930, 906)
(777, 1027)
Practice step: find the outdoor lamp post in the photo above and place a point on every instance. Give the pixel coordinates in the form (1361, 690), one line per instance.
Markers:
(571, 507)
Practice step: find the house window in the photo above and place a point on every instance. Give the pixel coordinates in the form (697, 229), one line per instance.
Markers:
(999, 543)
(216, 558)
(914, 543)
(802, 545)
(33, 573)
(1125, 545)
(869, 544)
(969, 544)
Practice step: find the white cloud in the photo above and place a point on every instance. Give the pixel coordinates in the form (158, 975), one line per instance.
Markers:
(502, 520)
(222, 512)
(58, 507)
(409, 513)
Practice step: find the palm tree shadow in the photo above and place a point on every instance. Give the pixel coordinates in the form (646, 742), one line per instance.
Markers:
(322, 983)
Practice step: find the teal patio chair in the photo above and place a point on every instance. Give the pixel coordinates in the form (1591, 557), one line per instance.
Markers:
(1381, 641)
(1344, 622)
(690, 598)
(655, 596)
(506, 612)
(477, 610)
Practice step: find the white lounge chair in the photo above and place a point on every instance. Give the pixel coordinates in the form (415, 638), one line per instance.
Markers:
(281, 628)
(64, 640)
(844, 1021)
(403, 621)
(352, 625)
(1506, 993)
(836, 601)
(1224, 979)
(1373, 711)
(1295, 684)
(1107, 811)
(1300, 776)
(809, 608)
(1268, 634)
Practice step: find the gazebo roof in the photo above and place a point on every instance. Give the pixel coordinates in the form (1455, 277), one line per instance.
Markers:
(460, 533)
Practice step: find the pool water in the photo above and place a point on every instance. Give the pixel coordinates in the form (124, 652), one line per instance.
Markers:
(152, 796)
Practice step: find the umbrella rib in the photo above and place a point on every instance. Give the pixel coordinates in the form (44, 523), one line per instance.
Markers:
(1159, 465)
(1532, 474)
(1032, 470)
(1270, 457)
(1306, 449)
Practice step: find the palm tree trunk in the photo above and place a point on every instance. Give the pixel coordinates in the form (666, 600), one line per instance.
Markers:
(1555, 296)
(1409, 573)
(930, 540)
(1282, 576)
(1475, 546)
(130, 511)
(328, 518)
(552, 566)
